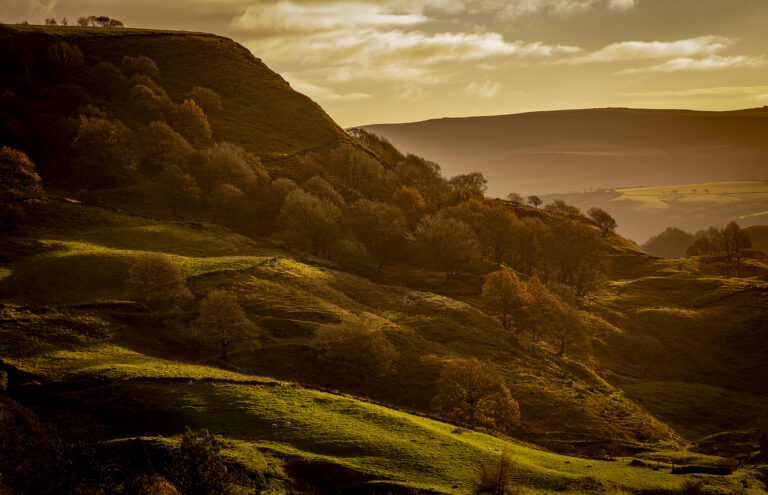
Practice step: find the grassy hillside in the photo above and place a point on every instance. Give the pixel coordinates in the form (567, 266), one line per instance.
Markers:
(260, 110)
(759, 236)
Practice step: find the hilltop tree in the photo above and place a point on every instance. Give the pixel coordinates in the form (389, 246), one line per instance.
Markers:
(473, 392)
(513, 196)
(503, 293)
(157, 282)
(604, 221)
(475, 183)
(353, 350)
(560, 207)
(380, 227)
(449, 242)
(534, 200)
(222, 319)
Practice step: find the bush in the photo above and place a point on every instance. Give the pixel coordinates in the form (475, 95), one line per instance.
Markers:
(352, 349)
(197, 467)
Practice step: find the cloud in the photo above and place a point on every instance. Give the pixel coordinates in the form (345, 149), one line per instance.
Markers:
(639, 50)
(713, 62)
(286, 16)
(485, 89)
(323, 94)
(716, 91)
(622, 4)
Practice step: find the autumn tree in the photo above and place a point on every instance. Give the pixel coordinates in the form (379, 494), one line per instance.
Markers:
(735, 243)
(542, 310)
(515, 197)
(159, 146)
(179, 187)
(206, 98)
(672, 243)
(103, 152)
(534, 200)
(353, 349)
(503, 294)
(380, 226)
(229, 163)
(223, 320)
(451, 243)
(140, 65)
(495, 227)
(197, 467)
(191, 122)
(321, 188)
(18, 179)
(158, 282)
(411, 203)
(475, 183)
(604, 221)
(566, 327)
(473, 392)
(310, 222)
(579, 255)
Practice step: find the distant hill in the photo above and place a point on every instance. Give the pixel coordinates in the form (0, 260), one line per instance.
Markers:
(573, 150)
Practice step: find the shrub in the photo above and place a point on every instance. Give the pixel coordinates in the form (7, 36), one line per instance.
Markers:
(156, 281)
(197, 467)
(352, 349)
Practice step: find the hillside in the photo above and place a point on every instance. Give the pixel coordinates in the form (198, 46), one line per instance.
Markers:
(352, 291)
(565, 151)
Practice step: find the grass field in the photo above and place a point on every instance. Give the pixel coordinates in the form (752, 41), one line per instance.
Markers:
(709, 192)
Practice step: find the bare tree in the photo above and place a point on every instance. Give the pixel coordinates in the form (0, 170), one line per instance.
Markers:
(735, 243)
(380, 226)
(223, 320)
(448, 241)
(473, 392)
(51, 22)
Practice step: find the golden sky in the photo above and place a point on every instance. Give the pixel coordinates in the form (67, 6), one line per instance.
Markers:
(381, 61)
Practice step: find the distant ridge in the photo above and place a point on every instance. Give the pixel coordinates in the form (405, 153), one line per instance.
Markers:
(571, 150)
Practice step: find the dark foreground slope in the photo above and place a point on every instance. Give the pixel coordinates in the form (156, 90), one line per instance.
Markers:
(561, 151)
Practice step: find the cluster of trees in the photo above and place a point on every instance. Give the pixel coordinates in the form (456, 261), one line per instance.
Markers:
(531, 307)
(18, 183)
(156, 281)
(730, 244)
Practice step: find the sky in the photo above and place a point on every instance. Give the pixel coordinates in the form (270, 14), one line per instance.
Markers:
(386, 61)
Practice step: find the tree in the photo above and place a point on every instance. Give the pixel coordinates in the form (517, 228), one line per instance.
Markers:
(157, 282)
(495, 227)
(566, 326)
(18, 179)
(708, 242)
(197, 467)
(735, 243)
(578, 253)
(228, 163)
(190, 120)
(310, 222)
(206, 98)
(560, 207)
(141, 64)
(82, 21)
(50, 22)
(473, 183)
(503, 293)
(64, 21)
(513, 196)
(103, 152)
(352, 349)
(451, 243)
(159, 146)
(223, 320)
(179, 187)
(473, 392)
(542, 310)
(380, 226)
(604, 221)
(535, 201)
(411, 203)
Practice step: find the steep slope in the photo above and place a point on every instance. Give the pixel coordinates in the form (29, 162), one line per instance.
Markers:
(562, 151)
(260, 110)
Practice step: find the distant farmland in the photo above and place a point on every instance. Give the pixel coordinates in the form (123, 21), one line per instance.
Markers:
(645, 211)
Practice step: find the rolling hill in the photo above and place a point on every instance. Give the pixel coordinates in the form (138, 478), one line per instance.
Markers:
(574, 150)
(75, 340)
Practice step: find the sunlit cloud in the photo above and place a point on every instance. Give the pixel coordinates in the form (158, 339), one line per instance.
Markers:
(713, 62)
(323, 94)
(639, 50)
(484, 89)
(289, 17)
